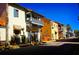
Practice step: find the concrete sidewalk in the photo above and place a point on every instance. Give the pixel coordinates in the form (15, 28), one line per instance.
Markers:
(58, 43)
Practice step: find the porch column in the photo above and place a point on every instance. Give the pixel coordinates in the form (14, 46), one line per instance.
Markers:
(39, 35)
(26, 34)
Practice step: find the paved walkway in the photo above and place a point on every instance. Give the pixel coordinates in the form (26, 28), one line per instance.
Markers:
(59, 43)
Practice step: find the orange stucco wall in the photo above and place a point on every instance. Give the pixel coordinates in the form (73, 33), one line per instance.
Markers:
(3, 14)
(46, 30)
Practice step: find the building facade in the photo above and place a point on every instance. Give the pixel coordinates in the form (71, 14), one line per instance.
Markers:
(46, 30)
(54, 31)
(15, 19)
(60, 30)
(18, 20)
(12, 20)
(34, 23)
(3, 21)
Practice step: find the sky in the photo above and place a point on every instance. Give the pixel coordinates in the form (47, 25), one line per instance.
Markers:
(64, 13)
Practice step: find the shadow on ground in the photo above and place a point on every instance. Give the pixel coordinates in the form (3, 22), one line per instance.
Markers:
(66, 49)
(69, 40)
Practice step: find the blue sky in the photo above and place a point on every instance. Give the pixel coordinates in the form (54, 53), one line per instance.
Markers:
(64, 13)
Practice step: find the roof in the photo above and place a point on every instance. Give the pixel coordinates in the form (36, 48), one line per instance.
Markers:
(58, 23)
(18, 6)
(25, 9)
(37, 14)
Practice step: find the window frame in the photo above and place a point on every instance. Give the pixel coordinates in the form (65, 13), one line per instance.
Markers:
(16, 12)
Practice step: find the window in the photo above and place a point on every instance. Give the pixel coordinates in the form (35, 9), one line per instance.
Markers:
(16, 13)
(35, 18)
(38, 18)
(27, 16)
(55, 32)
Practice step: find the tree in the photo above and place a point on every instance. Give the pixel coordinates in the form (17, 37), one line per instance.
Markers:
(68, 27)
(76, 33)
(68, 33)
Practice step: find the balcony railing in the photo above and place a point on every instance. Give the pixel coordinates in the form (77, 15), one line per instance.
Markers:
(36, 22)
(60, 29)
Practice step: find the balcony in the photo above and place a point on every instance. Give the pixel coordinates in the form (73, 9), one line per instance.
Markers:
(60, 29)
(36, 22)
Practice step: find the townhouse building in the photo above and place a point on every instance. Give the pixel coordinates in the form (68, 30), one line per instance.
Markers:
(34, 24)
(54, 31)
(46, 30)
(60, 30)
(15, 19)
(12, 20)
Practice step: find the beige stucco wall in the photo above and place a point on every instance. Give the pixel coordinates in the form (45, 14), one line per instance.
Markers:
(15, 20)
(53, 30)
(2, 34)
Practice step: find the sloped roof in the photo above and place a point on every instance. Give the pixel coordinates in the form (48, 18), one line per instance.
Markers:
(58, 23)
(17, 6)
(25, 9)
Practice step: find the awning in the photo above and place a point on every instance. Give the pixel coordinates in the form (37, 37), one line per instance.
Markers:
(17, 27)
